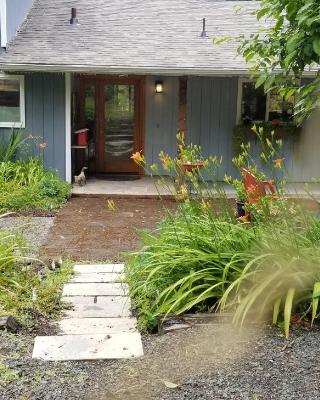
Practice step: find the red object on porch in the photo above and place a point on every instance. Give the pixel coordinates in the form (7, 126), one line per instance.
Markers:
(82, 137)
(254, 187)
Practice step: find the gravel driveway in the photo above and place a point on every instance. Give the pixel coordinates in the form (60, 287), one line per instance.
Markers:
(209, 363)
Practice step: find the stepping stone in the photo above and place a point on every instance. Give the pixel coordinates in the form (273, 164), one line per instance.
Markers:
(98, 268)
(98, 307)
(88, 347)
(95, 289)
(83, 326)
(108, 277)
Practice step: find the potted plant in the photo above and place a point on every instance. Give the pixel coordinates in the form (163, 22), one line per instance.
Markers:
(189, 156)
(240, 197)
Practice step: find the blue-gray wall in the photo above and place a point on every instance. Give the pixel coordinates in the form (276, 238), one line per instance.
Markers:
(161, 118)
(211, 117)
(45, 117)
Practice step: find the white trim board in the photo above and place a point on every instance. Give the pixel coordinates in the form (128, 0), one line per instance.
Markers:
(22, 122)
(68, 166)
(3, 23)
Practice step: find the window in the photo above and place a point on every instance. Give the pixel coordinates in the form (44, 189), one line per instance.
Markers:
(12, 106)
(256, 106)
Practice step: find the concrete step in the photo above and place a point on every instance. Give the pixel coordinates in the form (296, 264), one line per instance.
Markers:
(95, 289)
(88, 347)
(97, 307)
(98, 268)
(83, 326)
(108, 277)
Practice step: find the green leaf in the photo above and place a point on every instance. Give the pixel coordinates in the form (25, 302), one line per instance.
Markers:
(315, 300)
(316, 45)
(276, 309)
(288, 310)
(260, 81)
(262, 12)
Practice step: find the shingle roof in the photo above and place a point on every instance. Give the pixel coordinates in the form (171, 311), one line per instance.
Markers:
(123, 36)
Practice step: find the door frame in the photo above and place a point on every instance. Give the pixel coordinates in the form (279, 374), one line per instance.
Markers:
(99, 81)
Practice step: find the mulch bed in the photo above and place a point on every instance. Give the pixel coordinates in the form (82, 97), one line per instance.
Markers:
(87, 229)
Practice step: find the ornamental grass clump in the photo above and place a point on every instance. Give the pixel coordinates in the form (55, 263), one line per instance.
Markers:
(187, 263)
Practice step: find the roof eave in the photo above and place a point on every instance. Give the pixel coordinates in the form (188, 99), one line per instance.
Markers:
(123, 70)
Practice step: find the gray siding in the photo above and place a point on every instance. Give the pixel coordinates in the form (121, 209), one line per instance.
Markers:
(211, 114)
(161, 118)
(45, 117)
(17, 11)
(212, 109)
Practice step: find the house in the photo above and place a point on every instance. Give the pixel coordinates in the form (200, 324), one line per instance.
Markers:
(134, 73)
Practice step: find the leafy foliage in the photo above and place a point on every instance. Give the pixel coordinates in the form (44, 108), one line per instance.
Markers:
(9, 148)
(27, 185)
(202, 257)
(19, 279)
(284, 51)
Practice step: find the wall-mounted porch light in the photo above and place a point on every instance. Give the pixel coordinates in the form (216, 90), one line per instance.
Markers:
(159, 87)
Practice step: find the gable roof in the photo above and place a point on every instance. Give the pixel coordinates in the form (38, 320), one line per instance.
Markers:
(131, 36)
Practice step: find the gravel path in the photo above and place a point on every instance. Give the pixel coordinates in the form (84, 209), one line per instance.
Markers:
(34, 229)
(210, 363)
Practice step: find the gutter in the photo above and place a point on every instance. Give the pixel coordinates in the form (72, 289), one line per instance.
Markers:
(122, 70)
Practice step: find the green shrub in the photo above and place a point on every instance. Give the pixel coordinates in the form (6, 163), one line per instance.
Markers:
(28, 186)
(19, 279)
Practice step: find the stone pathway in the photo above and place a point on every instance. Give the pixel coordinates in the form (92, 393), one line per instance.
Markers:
(99, 325)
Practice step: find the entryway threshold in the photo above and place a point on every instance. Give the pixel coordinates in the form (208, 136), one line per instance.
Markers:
(146, 187)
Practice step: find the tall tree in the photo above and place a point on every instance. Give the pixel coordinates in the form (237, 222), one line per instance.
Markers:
(284, 52)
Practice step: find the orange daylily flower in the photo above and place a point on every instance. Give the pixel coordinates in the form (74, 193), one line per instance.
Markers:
(278, 162)
(165, 159)
(244, 218)
(43, 145)
(137, 157)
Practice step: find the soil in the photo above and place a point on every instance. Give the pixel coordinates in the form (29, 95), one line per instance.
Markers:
(89, 229)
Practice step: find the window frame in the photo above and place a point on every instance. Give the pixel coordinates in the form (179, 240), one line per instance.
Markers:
(22, 122)
(242, 80)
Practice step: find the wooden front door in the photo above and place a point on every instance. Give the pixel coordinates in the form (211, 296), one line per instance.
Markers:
(113, 110)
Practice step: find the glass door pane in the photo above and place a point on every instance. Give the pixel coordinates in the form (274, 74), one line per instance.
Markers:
(118, 122)
(90, 117)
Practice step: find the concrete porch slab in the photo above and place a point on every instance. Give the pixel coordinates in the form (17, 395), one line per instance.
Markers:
(149, 187)
(95, 289)
(145, 187)
(84, 326)
(97, 307)
(88, 347)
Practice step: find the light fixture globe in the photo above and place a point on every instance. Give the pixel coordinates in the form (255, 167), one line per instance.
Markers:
(159, 87)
